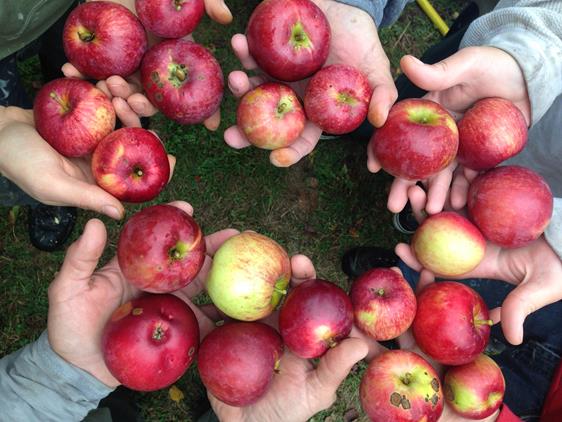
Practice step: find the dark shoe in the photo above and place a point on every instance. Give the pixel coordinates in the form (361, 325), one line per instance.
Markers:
(404, 221)
(358, 260)
(50, 227)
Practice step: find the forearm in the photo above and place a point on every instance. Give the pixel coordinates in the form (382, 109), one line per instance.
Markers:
(383, 12)
(37, 384)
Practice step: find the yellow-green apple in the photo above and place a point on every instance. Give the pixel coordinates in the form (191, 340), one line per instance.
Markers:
(102, 38)
(131, 164)
(384, 304)
(401, 386)
(419, 139)
(316, 315)
(249, 276)
(448, 244)
(149, 342)
(238, 360)
(337, 99)
(511, 205)
(490, 132)
(289, 39)
(452, 323)
(183, 80)
(73, 116)
(170, 18)
(161, 249)
(475, 390)
(271, 116)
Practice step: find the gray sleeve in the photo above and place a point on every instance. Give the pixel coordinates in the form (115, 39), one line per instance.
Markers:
(553, 232)
(383, 12)
(531, 32)
(38, 385)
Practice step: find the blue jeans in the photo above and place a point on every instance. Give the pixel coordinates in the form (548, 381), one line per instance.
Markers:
(528, 368)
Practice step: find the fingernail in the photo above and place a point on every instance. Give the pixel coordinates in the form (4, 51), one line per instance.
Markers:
(111, 211)
(415, 59)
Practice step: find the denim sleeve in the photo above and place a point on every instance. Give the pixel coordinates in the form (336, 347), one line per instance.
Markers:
(38, 385)
(383, 12)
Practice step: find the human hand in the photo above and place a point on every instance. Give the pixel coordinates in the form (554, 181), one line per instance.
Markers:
(354, 42)
(81, 300)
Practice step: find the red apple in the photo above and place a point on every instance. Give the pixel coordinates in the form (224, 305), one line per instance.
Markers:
(271, 116)
(316, 316)
(149, 342)
(289, 39)
(490, 132)
(337, 99)
(419, 139)
(249, 276)
(102, 38)
(401, 386)
(475, 390)
(511, 205)
(238, 360)
(161, 249)
(183, 80)
(170, 18)
(131, 164)
(452, 323)
(384, 304)
(448, 244)
(73, 116)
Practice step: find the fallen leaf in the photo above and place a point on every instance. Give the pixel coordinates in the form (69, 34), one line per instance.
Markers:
(176, 394)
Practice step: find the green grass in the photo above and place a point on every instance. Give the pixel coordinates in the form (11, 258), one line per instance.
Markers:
(320, 207)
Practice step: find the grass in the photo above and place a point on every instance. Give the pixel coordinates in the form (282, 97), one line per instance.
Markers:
(322, 206)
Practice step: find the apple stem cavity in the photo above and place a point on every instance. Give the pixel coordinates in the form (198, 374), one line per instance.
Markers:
(284, 106)
(299, 37)
(137, 171)
(64, 104)
(178, 74)
(179, 251)
(346, 98)
(178, 4)
(86, 35)
(159, 332)
(406, 379)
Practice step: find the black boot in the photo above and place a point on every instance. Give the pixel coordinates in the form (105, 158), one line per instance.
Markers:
(50, 227)
(358, 260)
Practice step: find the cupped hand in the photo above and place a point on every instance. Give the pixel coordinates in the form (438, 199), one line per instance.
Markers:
(81, 299)
(354, 42)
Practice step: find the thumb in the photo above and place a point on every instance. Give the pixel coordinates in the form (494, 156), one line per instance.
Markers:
(384, 96)
(218, 11)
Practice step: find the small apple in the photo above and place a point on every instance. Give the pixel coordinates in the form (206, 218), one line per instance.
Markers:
(452, 323)
(337, 99)
(102, 38)
(149, 342)
(419, 139)
(183, 80)
(475, 390)
(170, 18)
(131, 164)
(491, 131)
(315, 317)
(161, 249)
(384, 304)
(401, 386)
(448, 244)
(511, 205)
(237, 361)
(289, 39)
(73, 116)
(249, 276)
(271, 116)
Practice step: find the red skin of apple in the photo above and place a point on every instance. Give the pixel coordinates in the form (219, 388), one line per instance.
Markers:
(384, 304)
(102, 39)
(289, 39)
(475, 390)
(490, 132)
(448, 244)
(511, 205)
(238, 360)
(73, 116)
(149, 342)
(316, 315)
(452, 323)
(131, 164)
(170, 18)
(401, 386)
(271, 116)
(337, 99)
(183, 80)
(161, 249)
(419, 139)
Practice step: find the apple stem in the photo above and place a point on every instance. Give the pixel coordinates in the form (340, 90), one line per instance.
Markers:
(280, 291)
(380, 292)
(180, 74)
(158, 332)
(138, 172)
(407, 378)
(60, 101)
(178, 4)
(484, 322)
(86, 36)
(331, 343)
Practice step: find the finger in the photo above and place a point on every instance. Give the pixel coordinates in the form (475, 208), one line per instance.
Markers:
(426, 278)
(218, 11)
(235, 139)
(70, 71)
(239, 83)
(304, 145)
(438, 190)
(302, 269)
(382, 100)
(125, 113)
(404, 252)
(182, 205)
(240, 46)
(459, 190)
(214, 241)
(418, 201)
(172, 160)
(373, 164)
(374, 346)
(398, 196)
(495, 315)
(213, 122)
(119, 87)
(141, 106)
(102, 86)
(212, 312)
